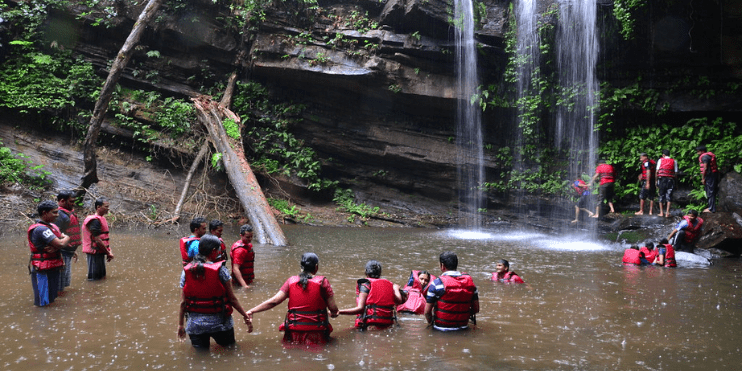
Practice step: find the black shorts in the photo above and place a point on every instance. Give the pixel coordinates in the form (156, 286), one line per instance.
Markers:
(667, 186)
(645, 193)
(223, 338)
(586, 202)
(606, 192)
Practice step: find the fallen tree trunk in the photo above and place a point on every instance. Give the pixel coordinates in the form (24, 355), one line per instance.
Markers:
(90, 173)
(265, 226)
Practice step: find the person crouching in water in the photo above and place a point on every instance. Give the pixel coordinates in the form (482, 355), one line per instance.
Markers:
(665, 254)
(632, 256)
(207, 298)
(376, 299)
(309, 298)
(415, 291)
(504, 274)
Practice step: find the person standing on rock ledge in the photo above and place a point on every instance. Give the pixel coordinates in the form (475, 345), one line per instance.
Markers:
(687, 232)
(667, 168)
(607, 175)
(647, 179)
(709, 176)
(95, 240)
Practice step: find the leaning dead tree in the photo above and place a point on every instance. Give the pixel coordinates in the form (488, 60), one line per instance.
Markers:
(265, 226)
(90, 174)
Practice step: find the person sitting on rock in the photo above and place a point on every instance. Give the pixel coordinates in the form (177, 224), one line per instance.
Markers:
(687, 232)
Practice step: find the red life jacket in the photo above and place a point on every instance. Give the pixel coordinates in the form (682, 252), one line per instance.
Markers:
(379, 309)
(415, 302)
(185, 242)
(307, 308)
(712, 163)
(206, 293)
(607, 173)
(580, 187)
(670, 256)
(649, 254)
(453, 309)
(41, 260)
(648, 171)
(509, 277)
(87, 237)
(667, 168)
(222, 252)
(247, 268)
(692, 232)
(73, 230)
(631, 256)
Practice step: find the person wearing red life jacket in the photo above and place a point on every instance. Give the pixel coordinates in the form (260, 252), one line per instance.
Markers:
(607, 175)
(709, 176)
(453, 299)
(216, 227)
(243, 258)
(667, 170)
(634, 256)
(647, 178)
(189, 244)
(584, 203)
(95, 240)
(68, 224)
(665, 254)
(649, 251)
(504, 274)
(309, 297)
(45, 241)
(415, 291)
(208, 299)
(376, 299)
(687, 232)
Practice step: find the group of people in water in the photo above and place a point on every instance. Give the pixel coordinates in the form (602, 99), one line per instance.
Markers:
(54, 239)
(449, 302)
(653, 176)
(684, 237)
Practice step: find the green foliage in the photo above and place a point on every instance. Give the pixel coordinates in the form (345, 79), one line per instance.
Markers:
(283, 206)
(18, 169)
(274, 148)
(625, 12)
(681, 141)
(231, 128)
(346, 202)
(216, 161)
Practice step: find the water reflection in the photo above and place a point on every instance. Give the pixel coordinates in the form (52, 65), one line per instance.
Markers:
(584, 309)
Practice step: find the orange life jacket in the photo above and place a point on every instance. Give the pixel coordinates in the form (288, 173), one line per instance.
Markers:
(41, 260)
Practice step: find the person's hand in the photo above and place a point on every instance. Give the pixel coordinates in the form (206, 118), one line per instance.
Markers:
(109, 257)
(248, 323)
(181, 333)
(74, 256)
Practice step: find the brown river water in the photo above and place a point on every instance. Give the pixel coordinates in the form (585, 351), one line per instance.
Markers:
(581, 309)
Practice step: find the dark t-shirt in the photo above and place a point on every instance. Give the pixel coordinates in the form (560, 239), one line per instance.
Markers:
(41, 236)
(63, 221)
(95, 227)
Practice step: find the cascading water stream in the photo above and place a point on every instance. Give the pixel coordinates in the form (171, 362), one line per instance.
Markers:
(468, 122)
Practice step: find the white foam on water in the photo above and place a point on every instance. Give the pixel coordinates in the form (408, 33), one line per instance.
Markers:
(537, 240)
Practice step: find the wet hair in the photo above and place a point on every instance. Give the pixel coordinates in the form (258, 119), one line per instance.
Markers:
(663, 241)
(214, 224)
(649, 245)
(206, 246)
(373, 269)
(196, 223)
(63, 195)
(666, 152)
(423, 272)
(449, 260)
(701, 148)
(99, 202)
(634, 247)
(245, 228)
(505, 263)
(46, 205)
(309, 261)
(693, 212)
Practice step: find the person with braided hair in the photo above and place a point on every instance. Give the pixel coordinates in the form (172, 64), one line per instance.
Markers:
(309, 297)
(207, 299)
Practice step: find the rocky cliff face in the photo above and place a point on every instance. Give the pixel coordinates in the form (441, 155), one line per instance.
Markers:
(377, 76)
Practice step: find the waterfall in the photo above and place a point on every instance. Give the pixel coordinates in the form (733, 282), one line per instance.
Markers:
(470, 154)
(577, 55)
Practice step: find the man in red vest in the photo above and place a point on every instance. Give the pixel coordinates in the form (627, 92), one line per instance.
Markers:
(709, 176)
(68, 224)
(647, 179)
(607, 176)
(95, 240)
(688, 231)
(452, 298)
(45, 241)
(667, 168)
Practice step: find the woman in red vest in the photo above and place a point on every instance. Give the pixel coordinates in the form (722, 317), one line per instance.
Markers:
(309, 297)
(416, 289)
(208, 299)
(376, 299)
